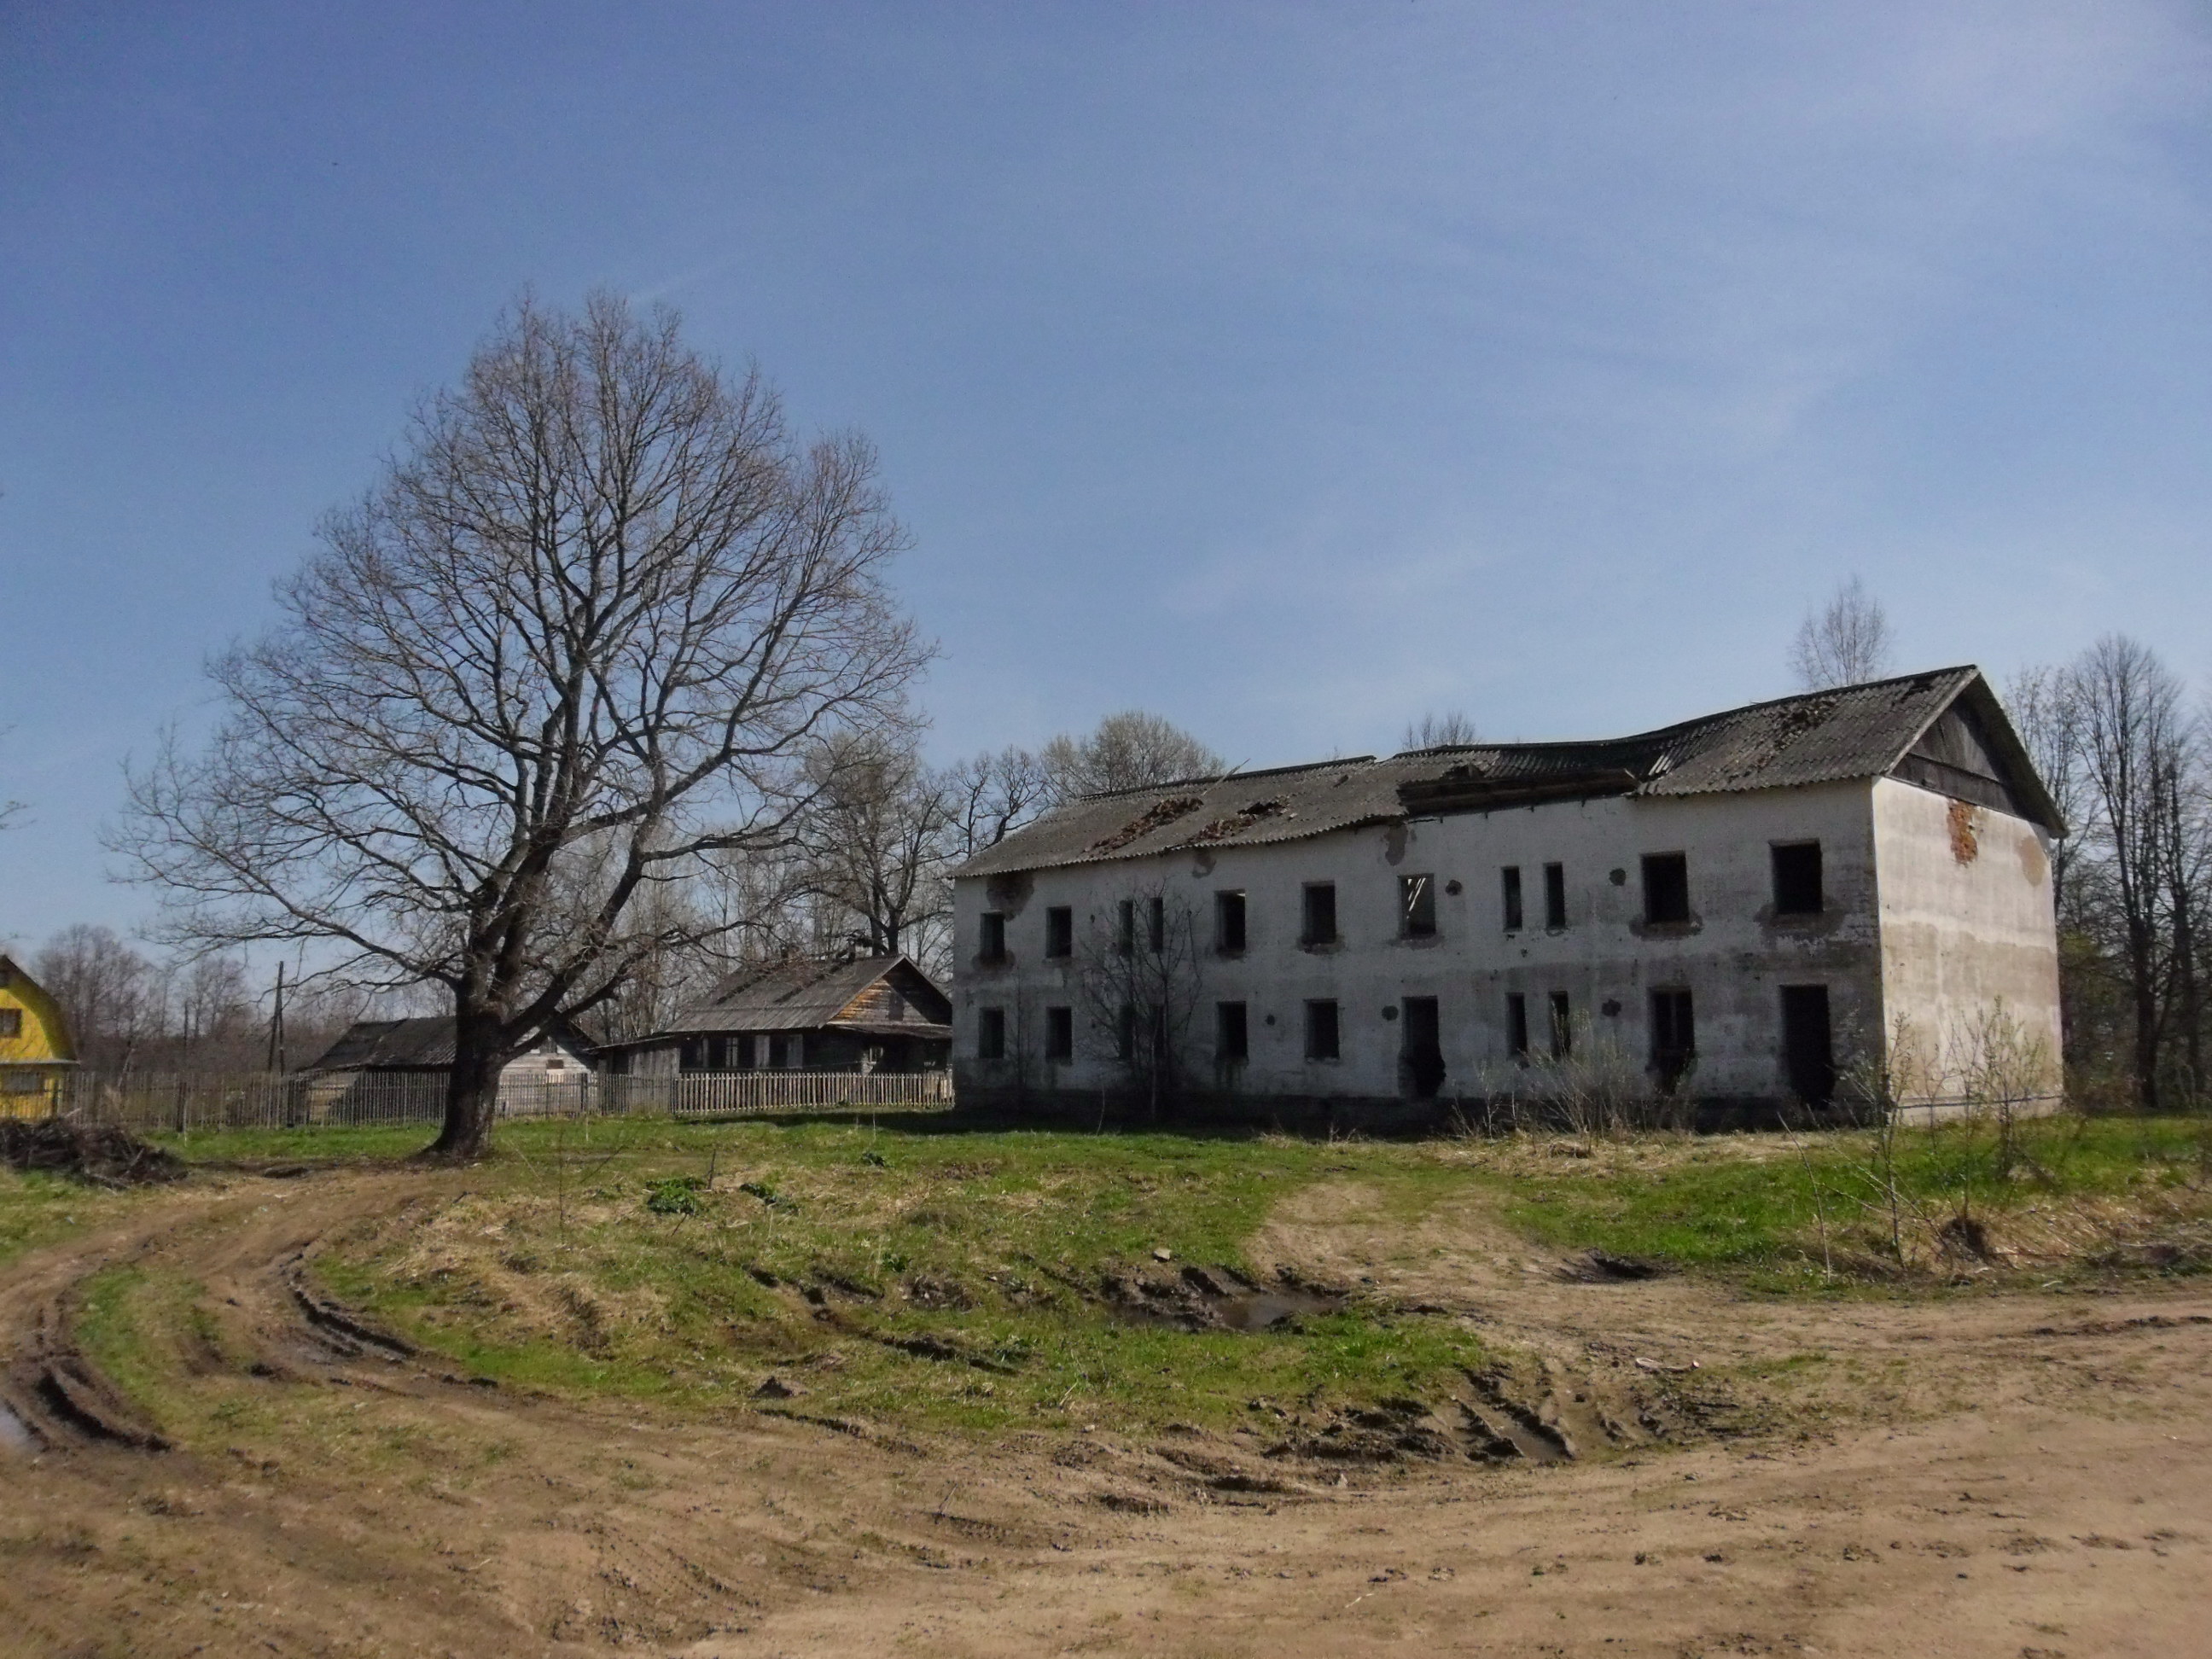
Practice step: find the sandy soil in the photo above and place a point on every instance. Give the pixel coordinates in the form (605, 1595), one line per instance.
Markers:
(2018, 1475)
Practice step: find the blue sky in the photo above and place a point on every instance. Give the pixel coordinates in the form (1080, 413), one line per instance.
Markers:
(1287, 368)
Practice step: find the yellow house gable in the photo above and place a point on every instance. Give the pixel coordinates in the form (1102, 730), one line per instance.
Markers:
(35, 1049)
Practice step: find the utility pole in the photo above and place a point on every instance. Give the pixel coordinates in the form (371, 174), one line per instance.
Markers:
(276, 1026)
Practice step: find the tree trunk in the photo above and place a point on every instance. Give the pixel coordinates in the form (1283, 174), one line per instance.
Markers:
(2147, 1032)
(472, 1088)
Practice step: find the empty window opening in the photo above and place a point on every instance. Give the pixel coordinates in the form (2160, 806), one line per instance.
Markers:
(1797, 880)
(1555, 895)
(1321, 1031)
(1508, 888)
(1156, 932)
(1516, 1024)
(1125, 927)
(1232, 1032)
(783, 1053)
(1060, 1034)
(743, 1057)
(1809, 1053)
(1319, 924)
(992, 947)
(11, 1021)
(990, 1035)
(1060, 931)
(1562, 1026)
(1673, 1035)
(1665, 887)
(1125, 1033)
(1417, 906)
(1229, 923)
(1421, 1055)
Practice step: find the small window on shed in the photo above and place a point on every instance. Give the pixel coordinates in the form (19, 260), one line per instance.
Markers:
(1665, 887)
(1060, 1034)
(1319, 921)
(990, 1034)
(1322, 1030)
(1417, 906)
(1508, 889)
(993, 946)
(1229, 923)
(1060, 931)
(1555, 895)
(1797, 880)
(11, 1021)
(692, 1055)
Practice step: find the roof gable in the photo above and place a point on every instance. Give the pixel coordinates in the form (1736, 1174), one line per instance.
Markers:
(44, 1033)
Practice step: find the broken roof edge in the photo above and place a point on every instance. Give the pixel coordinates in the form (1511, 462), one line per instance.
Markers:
(1969, 670)
(1209, 778)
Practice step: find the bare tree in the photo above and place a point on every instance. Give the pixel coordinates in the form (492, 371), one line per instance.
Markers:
(1843, 643)
(2129, 707)
(875, 841)
(1440, 731)
(993, 795)
(110, 994)
(1127, 751)
(587, 632)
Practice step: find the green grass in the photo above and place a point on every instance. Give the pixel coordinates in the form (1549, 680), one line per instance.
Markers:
(37, 1210)
(573, 1268)
(957, 1273)
(1711, 1208)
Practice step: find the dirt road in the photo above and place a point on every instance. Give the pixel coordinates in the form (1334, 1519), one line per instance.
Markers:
(2031, 1475)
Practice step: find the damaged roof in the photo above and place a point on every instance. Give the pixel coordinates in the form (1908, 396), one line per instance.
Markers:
(1862, 730)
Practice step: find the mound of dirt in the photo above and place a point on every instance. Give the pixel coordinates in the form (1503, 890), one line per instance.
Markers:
(99, 1153)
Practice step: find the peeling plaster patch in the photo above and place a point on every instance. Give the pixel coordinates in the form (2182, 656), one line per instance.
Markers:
(2032, 864)
(1964, 846)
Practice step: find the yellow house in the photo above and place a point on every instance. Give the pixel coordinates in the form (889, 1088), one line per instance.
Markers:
(35, 1050)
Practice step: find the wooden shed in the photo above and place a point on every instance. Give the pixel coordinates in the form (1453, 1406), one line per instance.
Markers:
(853, 1014)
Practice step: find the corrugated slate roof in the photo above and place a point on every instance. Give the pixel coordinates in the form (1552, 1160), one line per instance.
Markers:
(1820, 737)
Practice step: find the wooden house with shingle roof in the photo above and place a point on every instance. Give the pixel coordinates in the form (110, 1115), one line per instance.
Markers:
(842, 1014)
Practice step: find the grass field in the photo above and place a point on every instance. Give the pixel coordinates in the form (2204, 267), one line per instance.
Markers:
(920, 1270)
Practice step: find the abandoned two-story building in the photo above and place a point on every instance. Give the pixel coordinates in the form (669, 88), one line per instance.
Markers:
(1744, 903)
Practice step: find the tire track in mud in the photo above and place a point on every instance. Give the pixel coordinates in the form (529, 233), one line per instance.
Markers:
(614, 1525)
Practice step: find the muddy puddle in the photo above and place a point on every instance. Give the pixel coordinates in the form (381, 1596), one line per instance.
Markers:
(1215, 1299)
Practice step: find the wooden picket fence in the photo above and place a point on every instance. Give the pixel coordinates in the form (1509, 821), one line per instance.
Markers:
(183, 1102)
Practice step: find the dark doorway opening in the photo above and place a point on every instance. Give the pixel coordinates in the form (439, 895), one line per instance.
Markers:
(1421, 1061)
(1807, 1043)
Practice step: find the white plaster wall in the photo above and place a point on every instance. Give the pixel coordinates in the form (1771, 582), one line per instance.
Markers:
(1963, 927)
(1734, 956)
